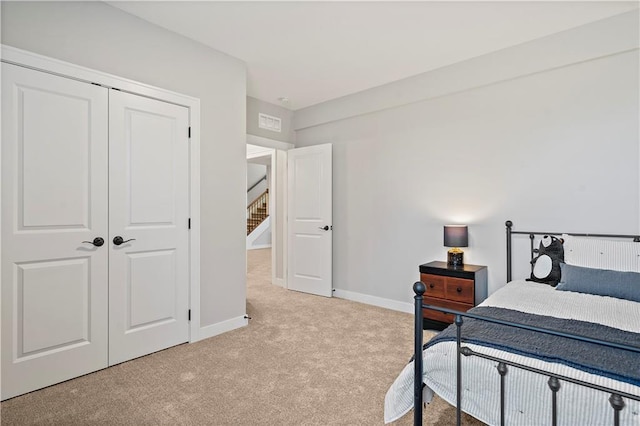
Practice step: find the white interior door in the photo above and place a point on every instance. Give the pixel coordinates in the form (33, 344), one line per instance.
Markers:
(54, 199)
(149, 209)
(310, 220)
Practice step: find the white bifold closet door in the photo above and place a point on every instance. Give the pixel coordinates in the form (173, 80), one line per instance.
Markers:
(80, 164)
(54, 197)
(149, 205)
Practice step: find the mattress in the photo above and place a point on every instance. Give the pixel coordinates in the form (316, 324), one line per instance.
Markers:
(527, 396)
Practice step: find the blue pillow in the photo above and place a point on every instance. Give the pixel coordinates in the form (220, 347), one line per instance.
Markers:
(602, 282)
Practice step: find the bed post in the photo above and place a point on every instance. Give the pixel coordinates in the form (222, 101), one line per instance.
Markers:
(458, 323)
(419, 289)
(508, 224)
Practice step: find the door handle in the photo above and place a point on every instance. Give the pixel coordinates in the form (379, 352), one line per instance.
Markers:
(97, 241)
(117, 240)
(324, 228)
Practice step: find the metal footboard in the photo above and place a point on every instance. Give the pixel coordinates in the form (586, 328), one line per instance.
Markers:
(616, 399)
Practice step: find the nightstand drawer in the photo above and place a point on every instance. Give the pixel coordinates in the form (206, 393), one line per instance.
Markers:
(441, 316)
(435, 285)
(459, 289)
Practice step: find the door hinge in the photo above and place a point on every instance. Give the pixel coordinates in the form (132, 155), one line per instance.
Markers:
(189, 314)
(189, 132)
(189, 223)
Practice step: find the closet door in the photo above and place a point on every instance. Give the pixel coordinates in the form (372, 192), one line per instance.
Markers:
(54, 206)
(149, 212)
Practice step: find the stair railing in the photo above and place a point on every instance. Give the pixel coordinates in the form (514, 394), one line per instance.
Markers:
(257, 183)
(258, 211)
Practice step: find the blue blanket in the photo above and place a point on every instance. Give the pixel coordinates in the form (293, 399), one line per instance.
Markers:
(617, 364)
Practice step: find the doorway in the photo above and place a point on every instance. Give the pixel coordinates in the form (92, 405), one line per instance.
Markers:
(259, 195)
(273, 154)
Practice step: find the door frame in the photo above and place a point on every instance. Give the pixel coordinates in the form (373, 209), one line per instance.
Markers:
(270, 176)
(49, 65)
(278, 203)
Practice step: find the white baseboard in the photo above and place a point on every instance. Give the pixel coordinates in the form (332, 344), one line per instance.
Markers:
(257, 233)
(279, 282)
(260, 246)
(394, 305)
(221, 327)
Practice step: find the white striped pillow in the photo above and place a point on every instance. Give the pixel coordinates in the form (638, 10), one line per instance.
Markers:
(600, 253)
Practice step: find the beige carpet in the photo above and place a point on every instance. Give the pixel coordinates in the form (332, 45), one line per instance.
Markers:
(303, 360)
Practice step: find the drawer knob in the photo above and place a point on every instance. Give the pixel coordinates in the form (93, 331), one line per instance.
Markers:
(459, 289)
(431, 285)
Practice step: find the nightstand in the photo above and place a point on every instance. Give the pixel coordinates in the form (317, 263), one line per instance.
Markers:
(460, 288)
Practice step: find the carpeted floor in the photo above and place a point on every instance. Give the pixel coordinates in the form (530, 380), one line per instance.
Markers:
(303, 360)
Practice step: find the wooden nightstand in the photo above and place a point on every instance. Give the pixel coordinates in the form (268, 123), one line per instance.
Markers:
(459, 288)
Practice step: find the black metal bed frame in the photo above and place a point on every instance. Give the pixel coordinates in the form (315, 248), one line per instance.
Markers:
(616, 398)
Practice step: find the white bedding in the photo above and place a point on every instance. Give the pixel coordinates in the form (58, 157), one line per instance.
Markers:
(528, 398)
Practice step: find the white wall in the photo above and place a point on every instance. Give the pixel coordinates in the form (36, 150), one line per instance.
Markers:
(98, 36)
(255, 172)
(490, 139)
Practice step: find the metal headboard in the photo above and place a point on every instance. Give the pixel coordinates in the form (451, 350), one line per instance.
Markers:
(510, 232)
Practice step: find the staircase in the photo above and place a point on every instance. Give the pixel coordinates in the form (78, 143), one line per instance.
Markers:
(257, 211)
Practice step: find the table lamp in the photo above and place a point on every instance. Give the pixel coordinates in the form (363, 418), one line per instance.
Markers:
(455, 236)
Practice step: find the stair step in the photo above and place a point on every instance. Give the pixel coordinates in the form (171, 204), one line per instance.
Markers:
(256, 218)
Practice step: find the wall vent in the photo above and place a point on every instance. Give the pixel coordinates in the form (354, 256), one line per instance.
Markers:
(269, 122)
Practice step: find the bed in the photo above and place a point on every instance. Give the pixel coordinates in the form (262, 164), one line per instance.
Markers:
(534, 354)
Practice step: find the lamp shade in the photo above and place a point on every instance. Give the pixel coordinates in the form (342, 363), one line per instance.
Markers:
(456, 236)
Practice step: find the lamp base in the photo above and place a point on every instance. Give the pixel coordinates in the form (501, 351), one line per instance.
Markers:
(455, 257)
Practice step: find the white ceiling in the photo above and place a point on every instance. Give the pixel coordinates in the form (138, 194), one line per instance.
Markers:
(311, 52)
